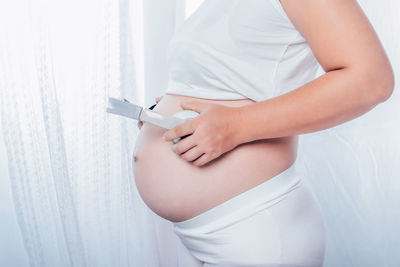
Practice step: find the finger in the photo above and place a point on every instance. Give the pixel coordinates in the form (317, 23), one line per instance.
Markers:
(194, 105)
(158, 99)
(178, 131)
(192, 154)
(202, 160)
(183, 145)
(139, 124)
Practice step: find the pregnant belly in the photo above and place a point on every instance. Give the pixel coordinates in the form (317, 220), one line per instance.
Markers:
(177, 190)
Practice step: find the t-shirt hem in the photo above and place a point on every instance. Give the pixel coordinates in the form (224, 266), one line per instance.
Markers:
(179, 89)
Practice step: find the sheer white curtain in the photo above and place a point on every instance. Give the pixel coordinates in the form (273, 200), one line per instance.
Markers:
(70, 162)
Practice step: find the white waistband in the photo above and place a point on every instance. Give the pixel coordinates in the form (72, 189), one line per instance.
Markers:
(267, 191)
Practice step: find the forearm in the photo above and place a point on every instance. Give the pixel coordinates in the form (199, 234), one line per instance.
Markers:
(331, 99)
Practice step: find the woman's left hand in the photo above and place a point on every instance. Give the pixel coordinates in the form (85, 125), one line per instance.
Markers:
(213, 132)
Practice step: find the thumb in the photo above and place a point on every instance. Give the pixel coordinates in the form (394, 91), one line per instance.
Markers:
(193, 105)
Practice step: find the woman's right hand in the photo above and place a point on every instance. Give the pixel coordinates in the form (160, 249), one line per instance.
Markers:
(140, 123)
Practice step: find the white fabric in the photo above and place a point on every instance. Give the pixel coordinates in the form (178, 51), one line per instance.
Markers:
(70, 162)
(277, 223)
(234, 49)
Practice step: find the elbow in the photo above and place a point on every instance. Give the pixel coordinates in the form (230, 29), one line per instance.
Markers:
(387, 86)
(380, 83)
(384, 84)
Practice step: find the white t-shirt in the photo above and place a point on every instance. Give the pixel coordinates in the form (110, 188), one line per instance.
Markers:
(238, 49)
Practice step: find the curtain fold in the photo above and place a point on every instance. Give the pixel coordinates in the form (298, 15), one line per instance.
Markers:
(70, 162)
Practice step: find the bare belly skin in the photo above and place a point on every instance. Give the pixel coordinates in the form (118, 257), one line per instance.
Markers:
(177, 190)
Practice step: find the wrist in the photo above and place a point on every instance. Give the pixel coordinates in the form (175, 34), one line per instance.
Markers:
(239, 128)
